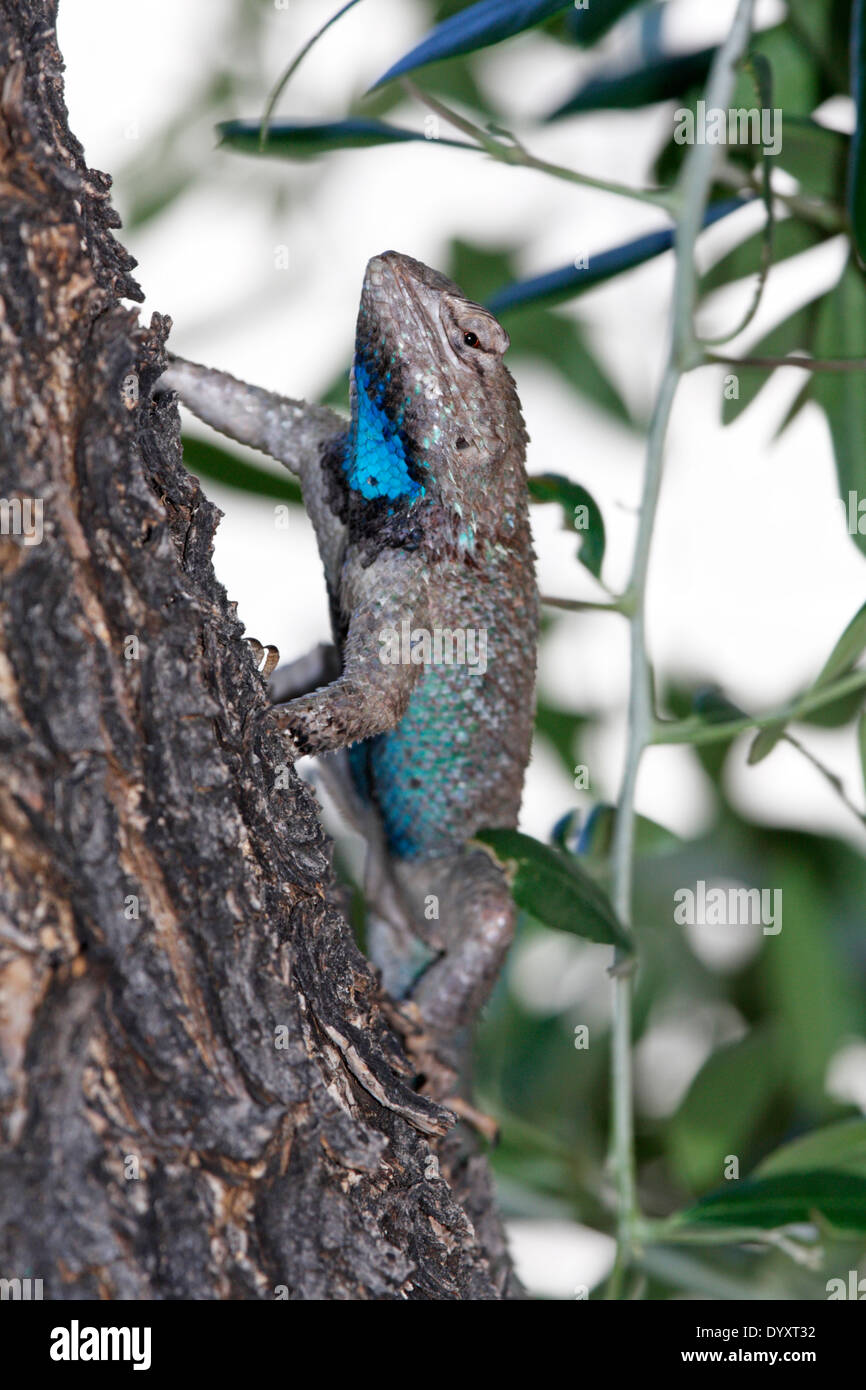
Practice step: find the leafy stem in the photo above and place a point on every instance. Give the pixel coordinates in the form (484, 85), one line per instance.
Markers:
(697, 730)
(684, 352)
(501, 145)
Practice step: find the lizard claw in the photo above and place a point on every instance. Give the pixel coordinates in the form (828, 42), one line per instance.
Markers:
(486, 1126)
(265, 657)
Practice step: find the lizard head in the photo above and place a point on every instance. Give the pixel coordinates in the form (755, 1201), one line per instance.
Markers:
(428, 374)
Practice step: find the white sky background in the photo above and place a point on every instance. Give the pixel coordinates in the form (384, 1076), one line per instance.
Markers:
(752, 576)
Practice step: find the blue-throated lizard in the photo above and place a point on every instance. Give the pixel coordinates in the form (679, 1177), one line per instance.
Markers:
(420, 510)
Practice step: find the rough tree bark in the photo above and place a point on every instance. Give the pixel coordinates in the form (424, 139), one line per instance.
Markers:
(163, 905)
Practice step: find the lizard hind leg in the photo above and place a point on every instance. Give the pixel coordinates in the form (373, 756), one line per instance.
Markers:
(475, 920)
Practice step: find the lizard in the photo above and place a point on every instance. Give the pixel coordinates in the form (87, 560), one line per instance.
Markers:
(420, 509)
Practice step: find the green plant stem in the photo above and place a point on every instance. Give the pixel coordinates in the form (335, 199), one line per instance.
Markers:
(696, 730)
(809, 364)
(283, 81)
(580, 605)
(819, 214)
(670, 1233)
(512, 152)
(684, 353)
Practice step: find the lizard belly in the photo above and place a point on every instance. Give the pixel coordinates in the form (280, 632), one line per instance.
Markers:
(456, 760)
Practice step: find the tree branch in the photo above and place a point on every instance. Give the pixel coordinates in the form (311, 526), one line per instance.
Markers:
(200, 1094)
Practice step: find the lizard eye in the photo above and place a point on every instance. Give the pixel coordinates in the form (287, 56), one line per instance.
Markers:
(470, 339)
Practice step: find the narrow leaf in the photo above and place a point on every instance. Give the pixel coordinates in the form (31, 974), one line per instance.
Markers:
(554, 888)
(841, 332)
(764, 742)
(847, 651)
(838, 1146)
(661, 80)
(816, 156)
(479, 26)
(794, 333)
(580, 512)
(306, 139)
(208, 460)
(561, 729)
(570, 281)
(857, 157)
(723, 1107)
(783, 1200)
(595, 843)
(590, 23)
(791, 238)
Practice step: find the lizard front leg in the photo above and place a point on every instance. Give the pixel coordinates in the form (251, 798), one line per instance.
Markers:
(289, 430)
(370, 696)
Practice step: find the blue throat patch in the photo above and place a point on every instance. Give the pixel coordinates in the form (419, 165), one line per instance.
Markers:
(376, 462)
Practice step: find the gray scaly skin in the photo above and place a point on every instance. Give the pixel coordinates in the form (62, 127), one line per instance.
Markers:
(420, 509)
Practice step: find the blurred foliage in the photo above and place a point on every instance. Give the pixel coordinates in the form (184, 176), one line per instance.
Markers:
(769, 1021)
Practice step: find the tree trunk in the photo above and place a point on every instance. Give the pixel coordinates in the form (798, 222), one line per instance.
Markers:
(200, 1095)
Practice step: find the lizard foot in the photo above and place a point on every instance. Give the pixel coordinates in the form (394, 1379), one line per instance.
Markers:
(437, 1078)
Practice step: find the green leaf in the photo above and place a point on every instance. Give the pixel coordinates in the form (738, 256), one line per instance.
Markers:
(801, 398)
(479, 26)
(570, 281)
(857, 157)
(594, 20)
(722, 1108)
(307, 139)
(823, 27)
(861, 744)
(596, 838)
(837, 713)
(795, 81)
(555, 889)
(847, 651)
(208, 460)
(791, 238)
(538, 332)
(561, 728)
(786, 1199)
(660, 80)
(807, 982)
(816, 157)
(714, 707)
(580, 512)
(796, 87)
(764, 742)
(560, 342)
(841, 332)
(841, 1146)
(793, 334)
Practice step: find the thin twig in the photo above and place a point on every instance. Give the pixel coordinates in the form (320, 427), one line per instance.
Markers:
(829, 776)
(282, 83)
(684, 353)
(513, 152)
(580, 605)
(808, 364)
(697, 731)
